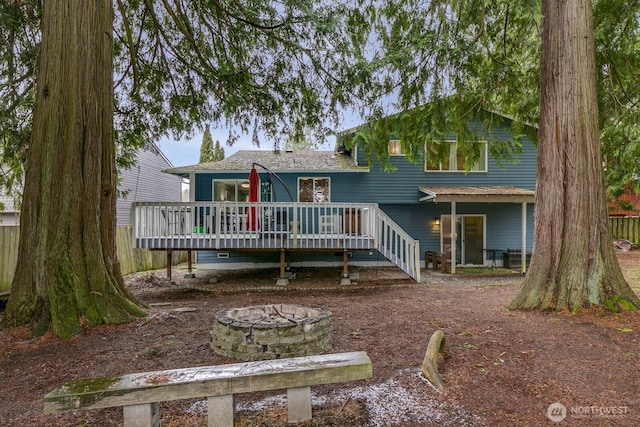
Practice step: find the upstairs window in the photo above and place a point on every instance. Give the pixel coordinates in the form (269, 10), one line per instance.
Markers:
(395, 148)
(445, 157)
(313, 190)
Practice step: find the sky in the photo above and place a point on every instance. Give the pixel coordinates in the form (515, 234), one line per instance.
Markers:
(186, 152)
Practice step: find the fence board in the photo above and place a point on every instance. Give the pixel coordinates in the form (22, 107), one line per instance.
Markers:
(131, 259)
(625, 228)
(9, 237)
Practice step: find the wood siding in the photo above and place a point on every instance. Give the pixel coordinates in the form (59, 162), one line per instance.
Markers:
(397, 193)
(145, 181)
(402, 185)
(9, 215)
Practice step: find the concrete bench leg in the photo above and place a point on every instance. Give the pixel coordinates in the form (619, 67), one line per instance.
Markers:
(143, 415)
(299, 404)
(222, 410)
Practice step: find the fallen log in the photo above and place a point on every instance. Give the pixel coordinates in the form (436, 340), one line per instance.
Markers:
(430, 362)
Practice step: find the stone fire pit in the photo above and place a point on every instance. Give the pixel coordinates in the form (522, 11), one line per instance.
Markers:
(272, 331)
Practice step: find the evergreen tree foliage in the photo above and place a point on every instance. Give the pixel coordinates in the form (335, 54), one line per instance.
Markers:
(459, 60)
(156, 67)
(452, 63)
(180, 65)
(218, 152)
(272, 66)
(283, 67)
(207, 153)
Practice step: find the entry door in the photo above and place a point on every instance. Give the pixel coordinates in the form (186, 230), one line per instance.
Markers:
(469, 237)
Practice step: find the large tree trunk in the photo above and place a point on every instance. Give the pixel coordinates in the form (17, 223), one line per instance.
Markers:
(574, 263)
(67, 274)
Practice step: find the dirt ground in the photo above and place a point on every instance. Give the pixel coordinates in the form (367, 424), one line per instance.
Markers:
(501, 368)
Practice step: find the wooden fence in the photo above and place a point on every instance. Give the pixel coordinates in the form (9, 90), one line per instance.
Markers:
(9, 237)
(625, 228)
(131, 259)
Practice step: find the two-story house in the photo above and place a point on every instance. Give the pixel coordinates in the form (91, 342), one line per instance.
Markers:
(323, 207)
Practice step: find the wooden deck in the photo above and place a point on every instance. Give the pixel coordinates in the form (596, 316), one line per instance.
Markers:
(268, 241)
(274, 226)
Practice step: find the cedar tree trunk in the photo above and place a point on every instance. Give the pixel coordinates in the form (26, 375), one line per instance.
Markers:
(574, 263)
(67, 274)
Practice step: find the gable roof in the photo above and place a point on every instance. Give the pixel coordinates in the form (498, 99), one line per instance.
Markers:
(283, 161)
(155, 148)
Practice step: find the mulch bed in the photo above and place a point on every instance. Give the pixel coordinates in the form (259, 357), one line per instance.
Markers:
(501, 368)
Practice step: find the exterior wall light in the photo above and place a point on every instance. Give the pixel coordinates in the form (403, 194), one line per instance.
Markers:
(436, 221)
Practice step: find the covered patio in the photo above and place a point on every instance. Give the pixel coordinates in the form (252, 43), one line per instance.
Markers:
(455, 195)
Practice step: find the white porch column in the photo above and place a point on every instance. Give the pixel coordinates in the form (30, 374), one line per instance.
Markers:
(523, 260)
(192, 186)
(454, 228)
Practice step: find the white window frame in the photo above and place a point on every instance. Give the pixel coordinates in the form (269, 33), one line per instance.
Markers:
(314, 178)
(480, 168)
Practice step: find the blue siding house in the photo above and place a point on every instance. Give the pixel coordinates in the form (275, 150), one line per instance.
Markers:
(325, 207)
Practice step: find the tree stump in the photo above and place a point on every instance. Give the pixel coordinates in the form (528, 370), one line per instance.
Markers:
(430, 362)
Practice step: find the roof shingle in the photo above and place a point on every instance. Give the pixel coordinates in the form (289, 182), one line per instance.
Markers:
(283, 161)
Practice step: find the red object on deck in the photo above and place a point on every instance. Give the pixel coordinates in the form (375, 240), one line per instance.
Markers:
(253, 221)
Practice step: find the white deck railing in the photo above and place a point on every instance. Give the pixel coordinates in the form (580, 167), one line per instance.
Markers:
(397, 246)
(243, 225)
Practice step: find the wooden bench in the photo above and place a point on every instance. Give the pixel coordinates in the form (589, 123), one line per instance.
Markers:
(437, 261)
(139, 394)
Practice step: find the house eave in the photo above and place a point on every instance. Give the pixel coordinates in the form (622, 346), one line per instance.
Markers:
(476, 194)
(186, 172)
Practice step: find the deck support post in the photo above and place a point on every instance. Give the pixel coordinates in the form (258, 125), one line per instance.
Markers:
(189, 274)
(169, 264)
(345, 269)
(283, 256)
(282, 280)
